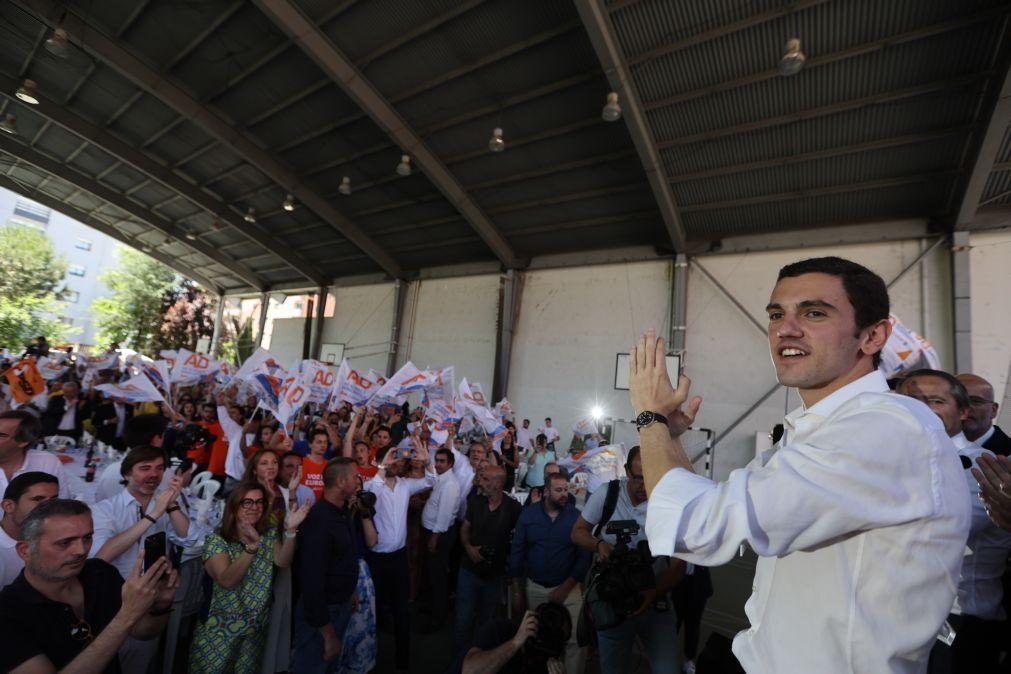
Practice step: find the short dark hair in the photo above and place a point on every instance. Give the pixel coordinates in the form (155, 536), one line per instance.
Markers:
(541, 437)
(958, 390)
(139, 455)
(446, 453)
(560, 475)
(31, 528)
(23, 482)
(143, 428)
(318, 431)
(291, 453)
(334, 467)
(633, 454)
(29, 429)
(383, 428)
(865, 290)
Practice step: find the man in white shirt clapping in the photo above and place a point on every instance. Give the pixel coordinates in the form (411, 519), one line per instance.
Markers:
(859, 516)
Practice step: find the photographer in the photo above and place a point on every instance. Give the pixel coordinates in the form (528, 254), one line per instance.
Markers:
(649, 615)
(536, 647)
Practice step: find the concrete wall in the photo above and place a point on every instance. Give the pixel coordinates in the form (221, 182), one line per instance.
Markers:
(991, 311)
(571, 325)
(452, 322)
(362, 319)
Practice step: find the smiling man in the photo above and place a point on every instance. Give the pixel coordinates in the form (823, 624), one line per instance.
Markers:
(859, 515)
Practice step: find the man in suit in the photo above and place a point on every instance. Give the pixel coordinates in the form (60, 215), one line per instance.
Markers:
(65, 413)
(978, 426)
(109, 419)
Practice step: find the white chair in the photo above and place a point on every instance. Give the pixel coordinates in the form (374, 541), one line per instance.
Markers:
(59, 442)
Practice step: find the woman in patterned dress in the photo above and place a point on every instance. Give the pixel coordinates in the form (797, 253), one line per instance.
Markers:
(240, 559)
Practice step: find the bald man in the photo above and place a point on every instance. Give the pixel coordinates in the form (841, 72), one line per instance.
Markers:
(978, 425)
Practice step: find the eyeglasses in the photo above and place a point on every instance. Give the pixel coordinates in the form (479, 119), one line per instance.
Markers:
(976, 401)
(250, 503)
(80, 631)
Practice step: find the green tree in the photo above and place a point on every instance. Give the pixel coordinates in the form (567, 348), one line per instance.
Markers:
(187, 315)
(29, 278)
(132, 315)
(31, 266)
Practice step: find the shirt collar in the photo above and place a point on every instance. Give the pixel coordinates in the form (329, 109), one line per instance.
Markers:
(961, 442)
(872, 382)
(983, 439)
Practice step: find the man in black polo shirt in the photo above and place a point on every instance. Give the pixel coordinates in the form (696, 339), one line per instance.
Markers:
(328, 549)
(485, 536)
(68, 612)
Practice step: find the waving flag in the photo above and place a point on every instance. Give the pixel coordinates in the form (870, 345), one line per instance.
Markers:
(25, 380)
(293, 395)
(105, 361)
(441, 386)
(585, 426)
(492, 425)
(905, 350)
(136, 389)
(51, 368)
(405, 380)
(265, 374)
(170, 356)
(192, 368)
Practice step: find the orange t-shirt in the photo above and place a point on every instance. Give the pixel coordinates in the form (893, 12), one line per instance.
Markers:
(219, 450)
(367, 472)
(312, 476)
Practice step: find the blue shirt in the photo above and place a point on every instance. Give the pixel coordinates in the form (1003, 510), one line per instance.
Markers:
(542, 548)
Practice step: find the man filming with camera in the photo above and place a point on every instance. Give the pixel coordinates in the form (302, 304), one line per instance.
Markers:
(535, 648)
(641, 605)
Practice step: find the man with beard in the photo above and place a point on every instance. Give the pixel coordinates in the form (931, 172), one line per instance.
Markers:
(70, 613)
(543, 553)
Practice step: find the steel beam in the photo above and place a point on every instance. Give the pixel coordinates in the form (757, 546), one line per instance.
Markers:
(317, 328)
(995, 117)
(611, 57)
(102, 138)
(510, 300)
(287, 16)
(123, 61)
(399, 299)
(961, 284)
(120, 201)
(261, 321)
(62, 206)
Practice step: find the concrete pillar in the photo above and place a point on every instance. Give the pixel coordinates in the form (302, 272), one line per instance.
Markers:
(218, 320)
(399, 297)
(261, 322)
(679, 303)
(510, 292)
(961, 285)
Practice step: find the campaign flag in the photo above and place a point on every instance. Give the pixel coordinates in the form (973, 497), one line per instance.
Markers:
(490, 422)
(353, 387)
(905, 351)
(293, 394)
(105, 361)
(265, 374)
(170, 356)
(504, 409)
(51, 368)
(405, 380)
(585, 426)
(376, 377)
(191, 368)
(320, 379)
(25, 380)
(441, 386)
(136, 389)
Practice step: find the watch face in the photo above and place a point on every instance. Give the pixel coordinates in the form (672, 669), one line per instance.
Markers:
(644, 418)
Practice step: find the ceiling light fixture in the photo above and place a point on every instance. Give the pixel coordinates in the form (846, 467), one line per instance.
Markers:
(345, 187)
(289, 203)
(58, 45)
(10, 124)
(145, 248)
(190, 235)
(793, 58)
(496, 144)
(28, 92)
(250, 215)
(404, 167)
(611, 111)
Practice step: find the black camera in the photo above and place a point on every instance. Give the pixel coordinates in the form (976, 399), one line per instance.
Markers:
(485, 568)
(554, 627)
(615, 584)
(366, 503)
(193, 436)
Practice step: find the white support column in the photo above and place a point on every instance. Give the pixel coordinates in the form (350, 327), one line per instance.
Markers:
(509, 308)
(679, 303)
(317, 328)
(399, 295)
(262, 320)
(218, 319)
(961, 285)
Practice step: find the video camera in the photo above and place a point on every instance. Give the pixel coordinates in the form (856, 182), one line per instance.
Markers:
(554, 626)
(366, 503)
(613, 592)
(193, 435)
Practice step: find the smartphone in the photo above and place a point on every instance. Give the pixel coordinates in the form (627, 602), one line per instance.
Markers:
(155, 547)
(405, 453)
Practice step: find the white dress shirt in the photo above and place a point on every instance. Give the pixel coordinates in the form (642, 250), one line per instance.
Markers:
(391, 508)
(550, 432)
(115, 515)
(464, 473)
(43, 462)
(69, 419)
(235, 462)
(524, 438)
(440, 510)
(986, 552)
(860, 520)
(10, 563)
(110, 482)
(981, 440)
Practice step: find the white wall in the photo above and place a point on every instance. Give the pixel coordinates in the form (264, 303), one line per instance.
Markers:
(572, 323)
(452, 322)
(362, 319)
(991, 310)
(728, 358)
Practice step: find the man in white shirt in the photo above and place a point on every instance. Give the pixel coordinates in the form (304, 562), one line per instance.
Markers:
(860, 515)
(22, 495)
(19, 430)
(439, 520)
(141, 430)
(388, 557)
(550, 432)
(977, 616)
(523, 436)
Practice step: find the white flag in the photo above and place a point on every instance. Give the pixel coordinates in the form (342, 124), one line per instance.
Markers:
(136, 389)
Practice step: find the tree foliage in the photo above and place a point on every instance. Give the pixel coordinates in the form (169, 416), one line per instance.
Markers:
(30, 276)
(187, 315)
(132, 315)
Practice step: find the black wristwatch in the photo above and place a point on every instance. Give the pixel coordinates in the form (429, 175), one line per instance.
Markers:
(648, 419)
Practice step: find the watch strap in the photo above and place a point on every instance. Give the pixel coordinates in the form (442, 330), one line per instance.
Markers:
(648, 418)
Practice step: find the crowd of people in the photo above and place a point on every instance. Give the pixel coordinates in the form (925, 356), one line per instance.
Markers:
(882, 520)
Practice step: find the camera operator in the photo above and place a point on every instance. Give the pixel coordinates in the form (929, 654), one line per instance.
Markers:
(653, 619)
(536, 646)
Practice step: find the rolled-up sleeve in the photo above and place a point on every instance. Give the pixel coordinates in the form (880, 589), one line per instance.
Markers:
(869, 468)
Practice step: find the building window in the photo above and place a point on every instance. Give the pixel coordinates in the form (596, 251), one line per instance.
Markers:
(32, 211)
(83, 244)
(72, 296)
(76, 270)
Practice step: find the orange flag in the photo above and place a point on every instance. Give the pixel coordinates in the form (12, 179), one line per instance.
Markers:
(25, 380)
